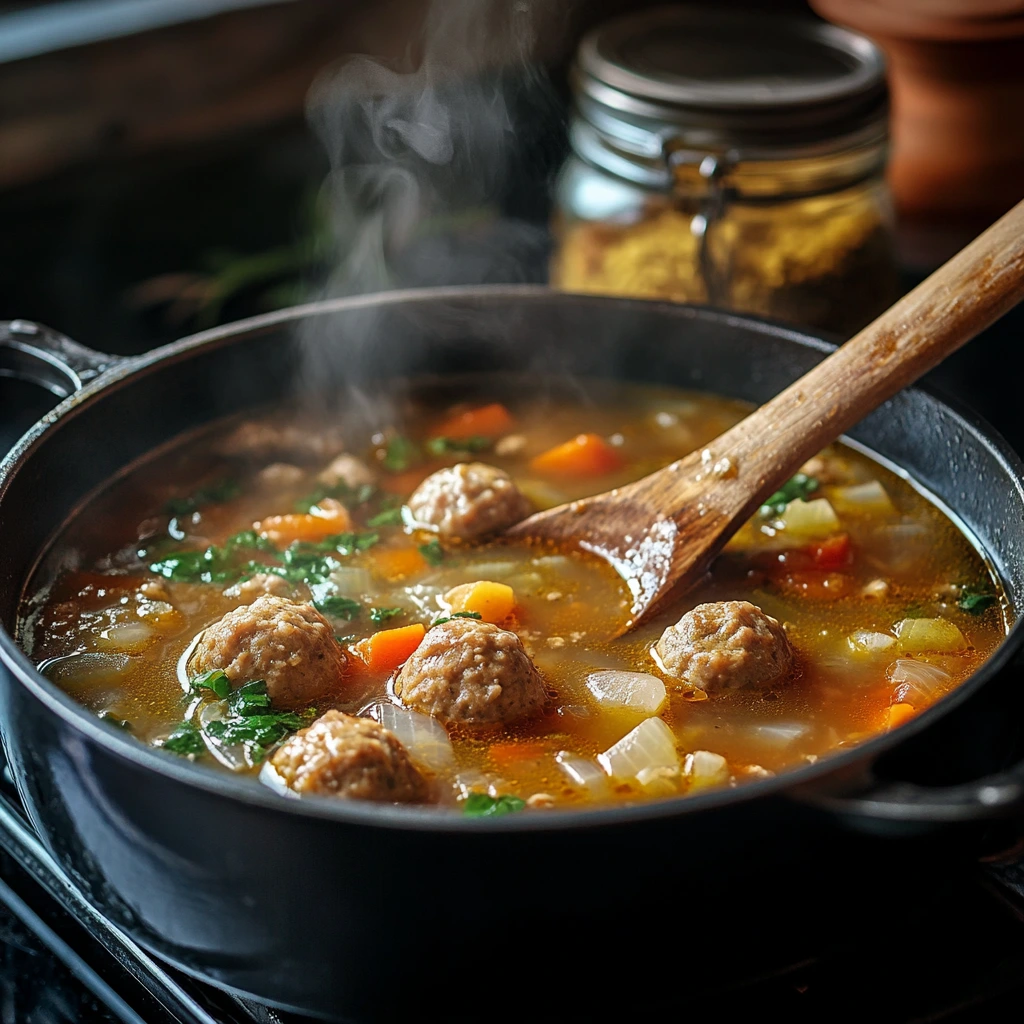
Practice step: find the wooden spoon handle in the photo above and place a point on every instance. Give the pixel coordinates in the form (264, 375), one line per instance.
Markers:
(942, 313)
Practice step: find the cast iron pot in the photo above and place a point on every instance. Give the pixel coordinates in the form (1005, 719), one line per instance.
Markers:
(352, 911)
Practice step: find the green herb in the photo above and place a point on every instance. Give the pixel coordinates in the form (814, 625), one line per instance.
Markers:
(432, 552)
(346, 639)
(383, 614)
(185, 740)
(216, 681)
(399, 454)
(351, 496)
(249, 721)
(482, 805)
(800, 486)
(224, 490)
(249, 697)
(974, 600)
(304, 562)
(445, 445)
(389, 517)
(456, 615)
(193, 567)
(248, 540)
(338, 607)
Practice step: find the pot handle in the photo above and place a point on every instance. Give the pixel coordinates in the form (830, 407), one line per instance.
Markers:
(43, 356)
(992, 798)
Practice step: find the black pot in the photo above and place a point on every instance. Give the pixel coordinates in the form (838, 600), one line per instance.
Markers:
(346, 910)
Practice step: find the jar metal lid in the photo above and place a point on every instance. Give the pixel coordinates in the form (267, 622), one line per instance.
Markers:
(730, 80)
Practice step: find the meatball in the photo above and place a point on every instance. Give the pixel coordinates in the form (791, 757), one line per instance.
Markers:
(469, 672)
(257, 586)
(268, 440)
(290, 646)
(278, 475)
(468, 500)
(724, 646)
(352, 758)
(348, 470)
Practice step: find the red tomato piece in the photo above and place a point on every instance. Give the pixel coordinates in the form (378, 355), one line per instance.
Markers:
(834, 553)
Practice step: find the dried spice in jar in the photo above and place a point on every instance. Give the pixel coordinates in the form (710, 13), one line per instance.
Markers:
(731, 161)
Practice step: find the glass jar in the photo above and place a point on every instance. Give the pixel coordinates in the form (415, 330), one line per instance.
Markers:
(730, 160)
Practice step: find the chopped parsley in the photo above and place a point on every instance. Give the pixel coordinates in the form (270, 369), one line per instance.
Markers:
(974, 600)
(456, 615)
(800, 486)
(338, 607)
(248, 540)
(400, 454)
(389, 517)
(351, 496)
(186, 739)
(383, 614)
(483, 805)
(223, 490)
(432, 552)
(216, 681)
(446, 445)
(250, 721)
(303, 562)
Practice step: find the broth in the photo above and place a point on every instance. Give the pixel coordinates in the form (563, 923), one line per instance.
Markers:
(885, 602)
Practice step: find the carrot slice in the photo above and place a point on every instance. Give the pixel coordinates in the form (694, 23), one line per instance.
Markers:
(509, 755)
(487, 421)
(492, 601)
(392, 563)
(584, 455)
(898, 714)
(324, 519)
(386, 650)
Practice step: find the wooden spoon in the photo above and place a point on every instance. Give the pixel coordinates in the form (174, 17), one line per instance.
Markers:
(662, 532)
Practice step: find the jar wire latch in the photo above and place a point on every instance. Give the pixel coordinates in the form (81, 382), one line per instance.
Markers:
(713, 169)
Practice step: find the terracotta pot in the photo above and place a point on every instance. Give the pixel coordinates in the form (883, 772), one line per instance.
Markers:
(956, 73)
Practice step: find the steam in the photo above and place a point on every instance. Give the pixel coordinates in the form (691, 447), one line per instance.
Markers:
(422, 155)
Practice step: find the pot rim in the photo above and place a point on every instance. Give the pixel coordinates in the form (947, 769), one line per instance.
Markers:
(431, 819)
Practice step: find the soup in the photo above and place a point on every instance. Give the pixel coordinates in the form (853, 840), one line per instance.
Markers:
(330, 608)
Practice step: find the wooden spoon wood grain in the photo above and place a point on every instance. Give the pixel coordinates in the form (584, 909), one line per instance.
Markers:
(662, 532)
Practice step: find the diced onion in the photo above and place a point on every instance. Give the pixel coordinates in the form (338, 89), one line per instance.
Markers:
(920, 636)
(659, 781)
(652, 744)
(540, 493)
(272, 780)
(705, 768)
(582, 774)
(781, 734)
(638, 691)
(864, 499)
(918, 677)
(809, 519)
(899, 547)
(126, 636)
(868, 643)
(351, 581)
(424, 737)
